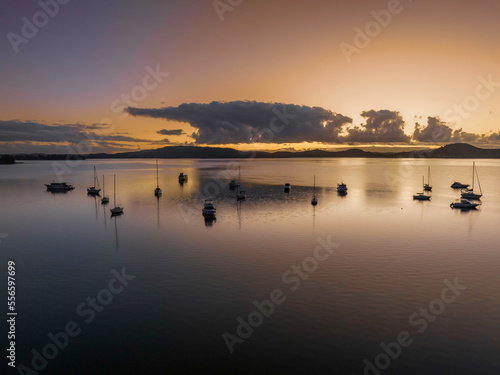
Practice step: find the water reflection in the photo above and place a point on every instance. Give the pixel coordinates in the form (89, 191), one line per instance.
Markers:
(209, 220)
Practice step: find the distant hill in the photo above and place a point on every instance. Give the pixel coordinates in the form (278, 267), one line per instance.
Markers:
(465, 151)
(456, 150)
(194, 152)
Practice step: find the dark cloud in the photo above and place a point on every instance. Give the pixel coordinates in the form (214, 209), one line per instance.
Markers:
(171, 132)
(381, 126)
(250, 121)
(436, 131)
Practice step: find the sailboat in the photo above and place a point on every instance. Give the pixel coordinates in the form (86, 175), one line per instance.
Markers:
(469, 193)
(240, 194)
(157, 190)
(314, 200)
(421, 196)
(94, 190)
(118, 209)
(427, 186)
(105, 198)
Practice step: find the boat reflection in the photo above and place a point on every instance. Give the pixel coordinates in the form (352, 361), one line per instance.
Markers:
(209, 220)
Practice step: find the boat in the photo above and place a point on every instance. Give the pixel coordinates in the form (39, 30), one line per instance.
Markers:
(421, 196)
(342, 188)
(94, 190)
(464, 204)
(183, 178)
(105, 198)
(469, 193)
(314, 200)
(233, 184)
(287, 188)
(208, 208)
(157, 190)
(458, 185)
(59, 186)
(427, 186)
(240, 194)
(118, 209)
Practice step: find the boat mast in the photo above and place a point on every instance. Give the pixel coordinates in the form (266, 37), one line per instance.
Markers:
(473, 169)
(481, 190)
(114, 189)
(103, 190)
(157, 185)
(314, 187)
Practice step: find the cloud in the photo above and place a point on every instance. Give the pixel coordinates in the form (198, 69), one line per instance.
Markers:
(171, 132)
(382, 126)
(25, 135)
(251, 121)
(437, 131)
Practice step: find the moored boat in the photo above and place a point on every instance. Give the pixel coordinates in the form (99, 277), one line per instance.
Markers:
(464, 204)
(469, 193)
(208, 208)
(118, 209)
(421, 197)
(342, 188)
(458, 185)
(183, 178)
(94, 190)
(59, 186)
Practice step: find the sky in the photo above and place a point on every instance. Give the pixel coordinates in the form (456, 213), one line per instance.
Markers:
(110, 76)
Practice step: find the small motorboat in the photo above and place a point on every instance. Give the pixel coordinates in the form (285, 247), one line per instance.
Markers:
(183, 178)
(241, 195)
(234, 184)
(59, 186)
(342, 188)
(464, 204)
(208, 208)
(421, 197)
(458, 185)
(287, 188)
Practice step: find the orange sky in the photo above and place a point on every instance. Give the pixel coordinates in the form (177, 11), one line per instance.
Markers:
(427, 58)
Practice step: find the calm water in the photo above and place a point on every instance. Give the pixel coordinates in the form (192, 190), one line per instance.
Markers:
(195, 278)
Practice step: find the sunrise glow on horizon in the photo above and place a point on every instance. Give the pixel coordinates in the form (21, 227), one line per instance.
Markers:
(371, 70)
